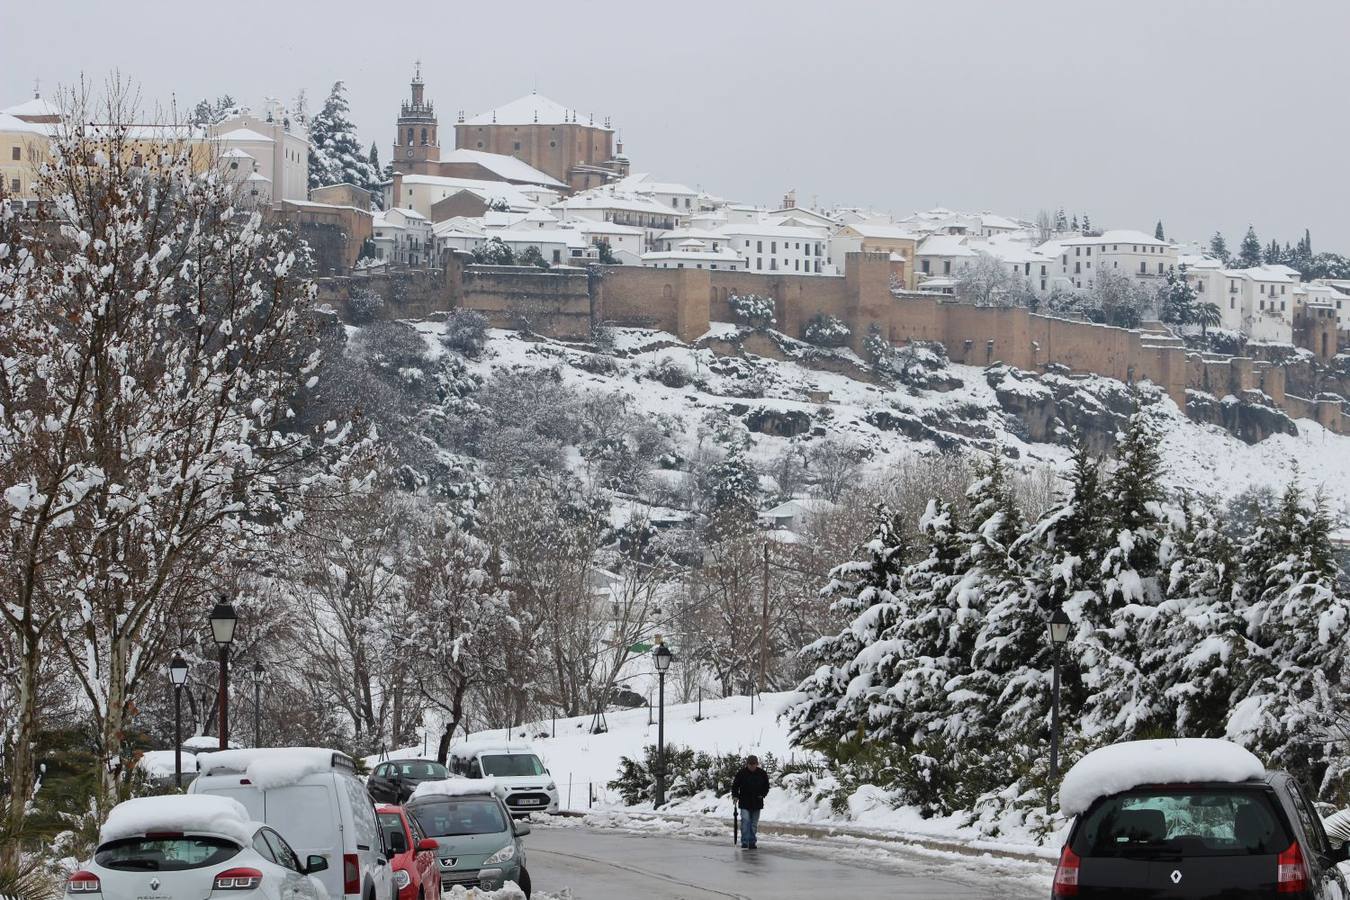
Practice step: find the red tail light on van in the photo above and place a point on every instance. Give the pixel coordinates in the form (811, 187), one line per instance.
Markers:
(238, 879)
(83, 882)
(351, 874)
(1066, 874)
(1293, 871)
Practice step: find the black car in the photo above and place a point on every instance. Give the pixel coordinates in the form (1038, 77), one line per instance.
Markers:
(1234, 840)
(394, 781)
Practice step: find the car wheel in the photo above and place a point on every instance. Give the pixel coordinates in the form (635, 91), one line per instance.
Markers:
(525, 881)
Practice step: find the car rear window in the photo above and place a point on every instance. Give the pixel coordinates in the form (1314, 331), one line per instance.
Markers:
(455, 817)
(1182, 822)
(421, 771)
(172, 854)
(512, 765)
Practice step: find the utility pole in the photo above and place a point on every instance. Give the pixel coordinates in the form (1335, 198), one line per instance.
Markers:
(764, 624)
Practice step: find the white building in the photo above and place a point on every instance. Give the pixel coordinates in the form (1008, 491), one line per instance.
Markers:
(626, 242)
(941, 255)
(422, 192)
(789, 249)
(692, 253)
(635, 211)
(403, 237)
(1133, 253)
(277, 143)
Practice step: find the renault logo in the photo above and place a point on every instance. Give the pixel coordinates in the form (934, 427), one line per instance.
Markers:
(1176, 876)
(154, 884)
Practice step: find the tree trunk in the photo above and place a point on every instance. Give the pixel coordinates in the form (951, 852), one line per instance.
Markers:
(448, 732)
(113, 726)
(24, 760)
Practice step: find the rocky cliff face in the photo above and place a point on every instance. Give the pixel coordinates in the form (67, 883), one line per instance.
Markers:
(1251, 418)
(1050, 408)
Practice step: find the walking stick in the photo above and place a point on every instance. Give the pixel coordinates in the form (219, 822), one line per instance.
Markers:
(735, 823)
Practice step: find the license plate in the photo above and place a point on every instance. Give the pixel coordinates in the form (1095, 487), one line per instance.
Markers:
(531, 802)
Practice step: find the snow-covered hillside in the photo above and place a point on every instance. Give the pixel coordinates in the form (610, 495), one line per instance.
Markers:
(890, 424)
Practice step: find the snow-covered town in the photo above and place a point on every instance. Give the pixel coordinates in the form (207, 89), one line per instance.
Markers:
(730, 451)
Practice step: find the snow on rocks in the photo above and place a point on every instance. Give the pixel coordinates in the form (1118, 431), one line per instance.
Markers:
(1131, 764)
(190, 814)
(268, 768)
(454, 787)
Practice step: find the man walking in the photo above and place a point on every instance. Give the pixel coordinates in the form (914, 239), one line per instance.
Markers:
(748, 790)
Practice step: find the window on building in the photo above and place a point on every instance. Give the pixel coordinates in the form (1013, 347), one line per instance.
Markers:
(516, 145)
(923, 264)
(1077, 268)
(1232, 303)
(14, 185)
(759, 262)
(773, 246)
(1042, 284)
(15, 153)
(946, 267)
(1077, 251)
(797, 265)
(759, 246)
(410, 137)
(1143, 268)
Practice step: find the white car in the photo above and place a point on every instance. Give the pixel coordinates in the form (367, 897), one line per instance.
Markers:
(522, 781)
(188, 848)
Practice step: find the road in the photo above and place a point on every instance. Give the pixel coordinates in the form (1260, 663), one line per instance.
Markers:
(600, 864)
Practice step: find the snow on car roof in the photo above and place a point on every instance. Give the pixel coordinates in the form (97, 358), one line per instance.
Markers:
(1121, 767)
(454, 787)
(191, 814)
(274, 767)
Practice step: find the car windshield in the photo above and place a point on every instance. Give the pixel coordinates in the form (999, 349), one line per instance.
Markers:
(1179, 822)
(164, 854)
(513, 764)
(455, 817)
(420, 771)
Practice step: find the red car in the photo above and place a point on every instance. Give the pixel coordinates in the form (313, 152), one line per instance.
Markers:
(412, 855)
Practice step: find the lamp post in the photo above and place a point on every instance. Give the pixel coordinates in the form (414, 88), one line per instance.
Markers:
(178, 673)
(223, 621)
(257, 704)
(1059, 635)
(661, 656)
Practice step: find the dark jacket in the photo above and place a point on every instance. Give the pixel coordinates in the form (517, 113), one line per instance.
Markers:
(750, 788)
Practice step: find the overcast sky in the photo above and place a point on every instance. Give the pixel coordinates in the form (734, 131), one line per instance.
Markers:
(1204, 113)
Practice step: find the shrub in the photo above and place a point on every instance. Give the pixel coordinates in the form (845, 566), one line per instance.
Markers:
(365, 306)
(531, 256)
(753, 309)
(826, 331)
(688, 772)
(670, 373)
(493, 252)
(465, 331)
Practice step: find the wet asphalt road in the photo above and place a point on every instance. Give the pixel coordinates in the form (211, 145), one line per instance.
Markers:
(603, 864)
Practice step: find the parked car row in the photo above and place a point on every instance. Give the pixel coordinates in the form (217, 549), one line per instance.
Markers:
(300, 824)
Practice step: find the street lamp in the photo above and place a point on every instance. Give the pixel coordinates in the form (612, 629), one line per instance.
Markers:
(257, 703)
(662, 657)
(223, 621)
(178, 672)
(1059, 636)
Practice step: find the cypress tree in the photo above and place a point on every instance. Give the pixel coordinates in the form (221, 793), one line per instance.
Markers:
(1249, 252)
(1218, 247)
(1158, 231)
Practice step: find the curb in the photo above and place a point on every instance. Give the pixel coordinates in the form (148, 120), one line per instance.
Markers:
(800, 829)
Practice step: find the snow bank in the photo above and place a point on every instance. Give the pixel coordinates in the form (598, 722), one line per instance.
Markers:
(454, 787)
(192, 813)
(159, 763)
(268, 768)
(1120, 767)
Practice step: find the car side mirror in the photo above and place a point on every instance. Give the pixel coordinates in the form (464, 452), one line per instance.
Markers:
(427, 844)
(315, 864)
(521, 828)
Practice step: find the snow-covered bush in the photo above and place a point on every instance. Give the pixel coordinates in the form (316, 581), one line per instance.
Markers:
(465, 331)
(365, 305)
(671, 373)
(688, 772)
(825, 330)
(493, 252)
(531, 256)
(754, 310)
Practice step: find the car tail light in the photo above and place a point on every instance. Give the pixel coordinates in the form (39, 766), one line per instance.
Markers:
(83, 882)
(351, 874)
(1066, 874)
(1293, 872)
(240, 879)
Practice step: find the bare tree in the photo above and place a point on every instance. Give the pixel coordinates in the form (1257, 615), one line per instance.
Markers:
(832, 465)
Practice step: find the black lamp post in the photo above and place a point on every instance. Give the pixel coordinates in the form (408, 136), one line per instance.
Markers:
(1059, 636)
(257, 704)
(662, 657)
(178, 673)
(223, 621)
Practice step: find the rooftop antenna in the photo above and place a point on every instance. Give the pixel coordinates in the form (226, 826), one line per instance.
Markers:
(417, 70)
(37, 84)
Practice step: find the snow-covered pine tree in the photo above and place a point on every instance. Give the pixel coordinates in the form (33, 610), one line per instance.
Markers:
(1249, 252)
(335, 156)
(869, 593)
(1298, 621)
(1061, 221)
(1218, 247)
(1158, 231)
(1087, 224)
(1122, 698)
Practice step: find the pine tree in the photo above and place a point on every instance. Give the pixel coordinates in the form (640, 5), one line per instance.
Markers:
(1073, 225)
(1218, 247)
(1158, 231)
(869, 593)
(1061, 221)
(1298, 623)
(1087, 225)
(335, 156)
(1177, 299)
(1249, 253)
(1273, 254)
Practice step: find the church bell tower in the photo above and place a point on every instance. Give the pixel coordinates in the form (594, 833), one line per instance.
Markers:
(416, 146)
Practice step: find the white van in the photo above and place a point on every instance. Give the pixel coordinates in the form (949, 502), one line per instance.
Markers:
(523, 782)
(314, 799)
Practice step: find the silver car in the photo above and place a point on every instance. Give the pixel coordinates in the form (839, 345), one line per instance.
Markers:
(478, 843)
